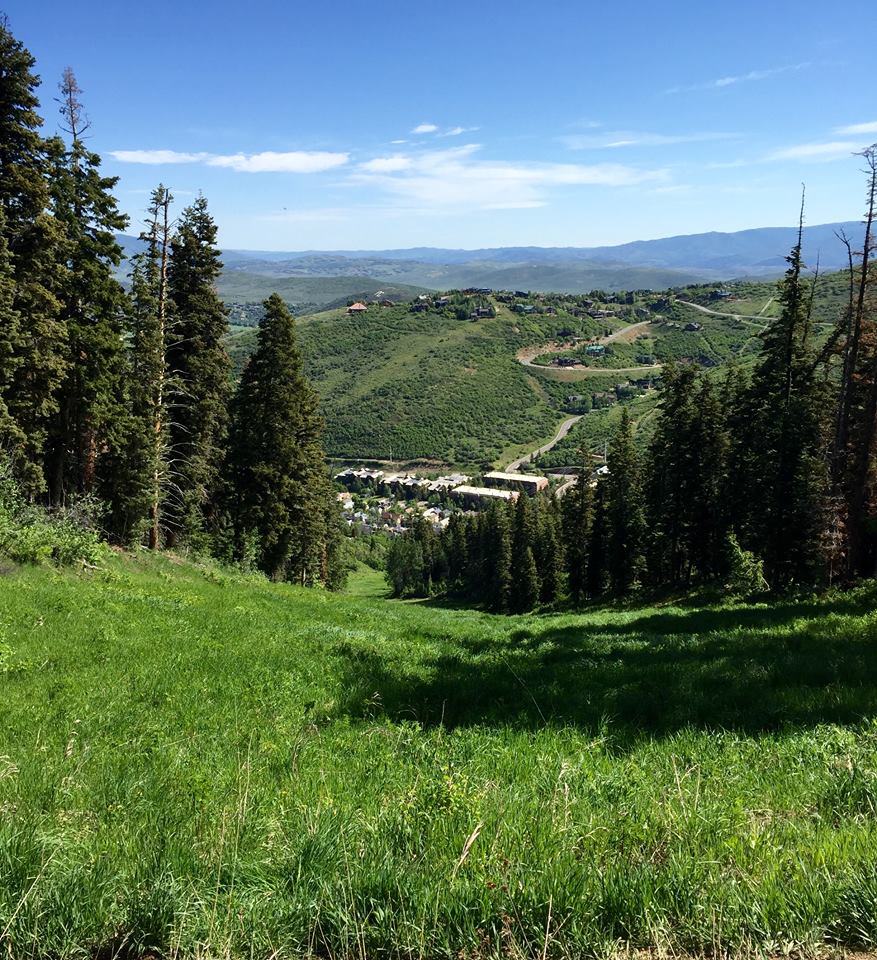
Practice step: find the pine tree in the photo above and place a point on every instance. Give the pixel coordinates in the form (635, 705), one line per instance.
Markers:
(35, 249)
(624, 512)
(548, 550)
(783, 468)
(597, 558)
(147, 457)
(200, 369)
(578, 517)
(709, 520)
(671, 477)
(281, 493)
(524, 592)
(10, 331)
(92, 307)
(853, 473)
(496, 586)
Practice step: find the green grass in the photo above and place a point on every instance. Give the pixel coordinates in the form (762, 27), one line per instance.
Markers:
(194, 763)
(367, 583)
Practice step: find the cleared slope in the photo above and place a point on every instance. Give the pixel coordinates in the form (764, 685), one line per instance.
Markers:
(197, 764)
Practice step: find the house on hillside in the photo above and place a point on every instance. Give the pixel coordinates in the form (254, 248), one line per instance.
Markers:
(357, 308)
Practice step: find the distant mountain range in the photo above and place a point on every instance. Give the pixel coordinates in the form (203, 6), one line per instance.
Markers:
(643, 264)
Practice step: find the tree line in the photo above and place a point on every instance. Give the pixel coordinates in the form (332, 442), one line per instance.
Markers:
(124, 397)
(764, 479)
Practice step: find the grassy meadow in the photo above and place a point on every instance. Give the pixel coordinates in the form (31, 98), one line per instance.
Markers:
(192, 762)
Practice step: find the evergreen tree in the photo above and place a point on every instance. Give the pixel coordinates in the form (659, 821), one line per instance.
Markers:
(548, 551)
(149, 479)
(671, 478)
(524, 591)
(200, 370)
(624, 511)
(578, 517)
(34, 243)
(709, 521)
(92, 307)
(496, 586)
(10, 331)
(854, 495)
(783, 465)
(281, 493)
(597, 554)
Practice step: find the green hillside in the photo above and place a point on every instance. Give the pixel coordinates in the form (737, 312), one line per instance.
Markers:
(400, 384)
(405, 385)
(194, 763)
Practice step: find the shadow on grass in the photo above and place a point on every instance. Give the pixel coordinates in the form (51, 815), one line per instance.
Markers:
(747, 668)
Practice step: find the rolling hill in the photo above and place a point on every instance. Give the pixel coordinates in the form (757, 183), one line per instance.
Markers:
(251, 275)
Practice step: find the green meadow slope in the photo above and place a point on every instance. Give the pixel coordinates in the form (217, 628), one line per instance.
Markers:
(194, 763)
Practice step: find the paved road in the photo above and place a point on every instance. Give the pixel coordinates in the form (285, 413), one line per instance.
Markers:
(564, 429)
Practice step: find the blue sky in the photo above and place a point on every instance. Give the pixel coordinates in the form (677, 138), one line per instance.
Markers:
(367, 125)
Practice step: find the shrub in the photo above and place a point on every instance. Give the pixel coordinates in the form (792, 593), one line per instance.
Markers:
(30, 534)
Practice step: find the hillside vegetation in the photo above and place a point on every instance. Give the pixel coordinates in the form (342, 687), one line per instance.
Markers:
(198, 763)
(398, 384)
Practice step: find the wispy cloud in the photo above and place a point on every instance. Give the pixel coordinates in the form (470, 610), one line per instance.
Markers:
(157, 156)
(425, 128)
(386, 164)
(457, 131)
(455, 178)
(832, 150)
(856, 128)
(626, 138)
(734, 79)
(294, 161)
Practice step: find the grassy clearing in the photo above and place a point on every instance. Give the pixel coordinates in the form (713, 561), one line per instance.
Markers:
(193, 763)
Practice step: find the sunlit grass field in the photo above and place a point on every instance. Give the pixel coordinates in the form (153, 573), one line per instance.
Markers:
(194, 763)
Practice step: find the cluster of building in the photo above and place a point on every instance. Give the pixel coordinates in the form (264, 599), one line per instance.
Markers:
(390, 516)
(496, 485)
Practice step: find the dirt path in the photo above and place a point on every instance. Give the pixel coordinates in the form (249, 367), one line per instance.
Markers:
(526, 355)
(759, 319)
(563, 430)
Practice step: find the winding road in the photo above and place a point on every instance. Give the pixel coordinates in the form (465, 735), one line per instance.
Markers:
(563, 430)
(526, 356)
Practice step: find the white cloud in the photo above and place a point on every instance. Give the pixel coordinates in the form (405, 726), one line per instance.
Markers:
(732, 80)
(386, 164)
(456, 131)
(453, 179)
(157, 156)
(394, 142)
(425, 128)
(833, 150)
(855, 128)
(296, 161)
(627, 138)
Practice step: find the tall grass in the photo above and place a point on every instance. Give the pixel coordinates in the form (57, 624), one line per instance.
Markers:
(197, 764)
